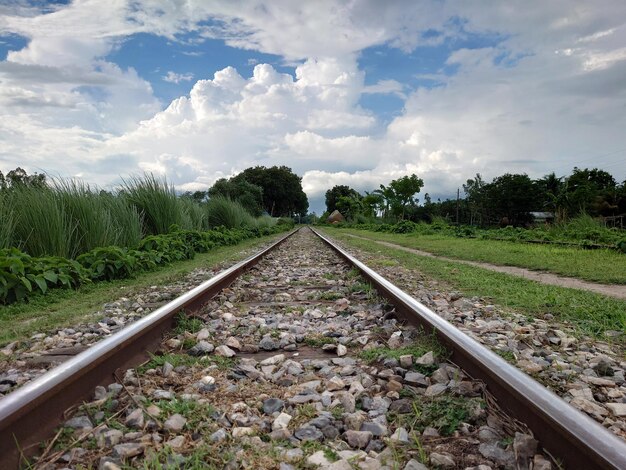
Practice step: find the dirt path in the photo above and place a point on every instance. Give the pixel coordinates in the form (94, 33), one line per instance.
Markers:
(611, 290)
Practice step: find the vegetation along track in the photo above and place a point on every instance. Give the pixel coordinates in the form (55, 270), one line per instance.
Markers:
(298, 363)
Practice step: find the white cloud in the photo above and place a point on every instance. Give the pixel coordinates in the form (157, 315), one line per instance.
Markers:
(174, 77)
(517, 106)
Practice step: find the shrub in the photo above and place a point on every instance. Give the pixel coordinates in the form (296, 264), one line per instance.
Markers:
(156, 200)
(22, 275)
(109, 263)
(222, 212)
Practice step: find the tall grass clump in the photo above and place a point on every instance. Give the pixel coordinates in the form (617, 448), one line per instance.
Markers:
(127, 221)
(91, 222)
(227, 213)
(7, 224)
(265, 221)
(194, 215)
(42, 227)
(156, 200)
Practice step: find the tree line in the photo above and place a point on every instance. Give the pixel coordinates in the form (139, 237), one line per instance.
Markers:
(508, 199)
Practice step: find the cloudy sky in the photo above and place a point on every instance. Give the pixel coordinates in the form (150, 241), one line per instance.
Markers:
(344, 92)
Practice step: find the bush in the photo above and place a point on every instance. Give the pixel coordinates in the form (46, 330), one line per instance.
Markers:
(156, 200)
(22, 275)
(222, 212)
(404, 226)
(111, 262)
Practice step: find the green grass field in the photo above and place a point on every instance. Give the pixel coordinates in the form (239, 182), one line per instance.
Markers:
(592, 314)
(64, 308)
(603, 266)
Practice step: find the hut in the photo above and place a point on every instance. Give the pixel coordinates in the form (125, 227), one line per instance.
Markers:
(335, 217)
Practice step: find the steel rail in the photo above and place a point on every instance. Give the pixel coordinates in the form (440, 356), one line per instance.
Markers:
(569, 435)
(31, 412)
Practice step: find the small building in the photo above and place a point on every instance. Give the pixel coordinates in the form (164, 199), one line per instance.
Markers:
(335, 217)
(542, 217)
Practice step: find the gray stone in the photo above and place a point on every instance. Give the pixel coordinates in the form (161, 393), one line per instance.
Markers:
(271, 405)
(126, 451)
(358, 439)
(167, 369)
(525, 448)
(224, 351)
(319, 422)
(309, 433)
(202, 348)
(402, 406)
(109, 438)
(442, 460)
(415, 465)
(268, 344)
(281, 421)
(427, 359)
(135, 419)
(162, 395)
(416, 379)
(376, 429)
(79, 422)
(218, 436)
(100, 393)
(318, 459)
(401, 436)
(491, 451)
(175, 423)
(435, 390)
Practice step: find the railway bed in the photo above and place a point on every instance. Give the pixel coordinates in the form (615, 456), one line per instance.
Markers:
(297, 363)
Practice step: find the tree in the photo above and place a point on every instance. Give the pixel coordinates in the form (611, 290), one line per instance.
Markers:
(475, 193)
(512, 197)
(19, 177)
(247, 194)
(590, 191)
(282, 190)
(404, 191)
(338, 191)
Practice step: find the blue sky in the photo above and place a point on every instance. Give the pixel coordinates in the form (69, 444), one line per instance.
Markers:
(353, 93)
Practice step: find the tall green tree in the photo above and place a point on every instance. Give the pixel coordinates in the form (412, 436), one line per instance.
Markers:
(19, 177)
(336, 192)
(511, 198)
(282, 190)
(249, 195)
(404, 191)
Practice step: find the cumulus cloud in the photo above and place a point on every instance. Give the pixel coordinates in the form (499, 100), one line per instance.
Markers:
(546, 93)
(174, 77)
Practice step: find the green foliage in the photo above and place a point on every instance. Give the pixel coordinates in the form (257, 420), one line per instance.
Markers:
(112, 262)
(224, 212)
(42, 227)
(282, 189)
(156, 200)
(8, 221)
(249, 195)
(444, 413)
(22, 275)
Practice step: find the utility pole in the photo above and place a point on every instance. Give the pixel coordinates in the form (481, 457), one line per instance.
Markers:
(457, 207)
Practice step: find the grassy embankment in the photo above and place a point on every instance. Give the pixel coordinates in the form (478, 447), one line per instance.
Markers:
(604, 266)
(65, 307)
(591, 314)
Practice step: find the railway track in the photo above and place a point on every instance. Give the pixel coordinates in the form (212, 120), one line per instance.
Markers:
(295, 361)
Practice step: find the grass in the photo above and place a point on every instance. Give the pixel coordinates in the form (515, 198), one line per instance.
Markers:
(157, 201)
(230, 214)
(592, 314)
(62, 308)
(605, 266)
(174, 359)
(427, 343)
(444, 413)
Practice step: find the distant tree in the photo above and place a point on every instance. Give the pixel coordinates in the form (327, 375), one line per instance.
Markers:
(198, 196)
(476, 197)
(590, 191)
(247, 194)
(512, 197)
(336, 192)
(19, 177)
(282, 190)
(404, 191)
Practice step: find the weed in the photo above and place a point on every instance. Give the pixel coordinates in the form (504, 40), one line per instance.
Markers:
(508, 356)
(174, 359)
(318, 341)
(185, 323)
